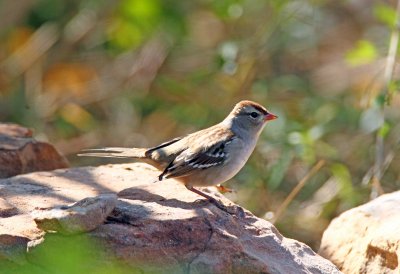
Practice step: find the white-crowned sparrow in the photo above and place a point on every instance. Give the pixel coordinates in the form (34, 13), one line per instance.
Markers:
(207, 157)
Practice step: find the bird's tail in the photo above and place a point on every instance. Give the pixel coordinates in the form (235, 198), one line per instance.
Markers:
(115, 152)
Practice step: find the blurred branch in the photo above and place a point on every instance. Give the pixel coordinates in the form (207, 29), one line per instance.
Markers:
(79, 28)
(40, 42)
(368, 177)
(80, 25)
(132, 69)
(388, 92)
(391, 57)
(72, 145)
(296, 190)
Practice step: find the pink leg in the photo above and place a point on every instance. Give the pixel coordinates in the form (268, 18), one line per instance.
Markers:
(208, 197)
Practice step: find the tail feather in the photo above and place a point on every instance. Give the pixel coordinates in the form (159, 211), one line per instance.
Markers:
(115, 152)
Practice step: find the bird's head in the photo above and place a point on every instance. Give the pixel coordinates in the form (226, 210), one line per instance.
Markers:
(249, 116)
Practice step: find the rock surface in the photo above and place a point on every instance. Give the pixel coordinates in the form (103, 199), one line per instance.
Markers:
(156, 227)
(20, 153)
(366, 239)
(7, 209)
(82, 216)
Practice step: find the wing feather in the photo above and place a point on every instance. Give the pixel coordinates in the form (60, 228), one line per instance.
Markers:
(192, 160)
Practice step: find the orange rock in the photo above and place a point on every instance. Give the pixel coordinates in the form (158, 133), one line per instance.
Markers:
(20, 153)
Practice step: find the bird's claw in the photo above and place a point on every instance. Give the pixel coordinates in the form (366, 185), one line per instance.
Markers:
(232, 210)
(218, 204)
(200, 201)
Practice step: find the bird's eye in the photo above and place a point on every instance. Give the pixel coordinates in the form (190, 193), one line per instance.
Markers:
(254, 114)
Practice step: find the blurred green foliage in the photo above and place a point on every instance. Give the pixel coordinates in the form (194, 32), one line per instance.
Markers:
(385, 13)
(363, 53)
(138, 72)
(67, 255)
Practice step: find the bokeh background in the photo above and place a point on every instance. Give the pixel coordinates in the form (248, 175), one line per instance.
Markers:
(99, 73)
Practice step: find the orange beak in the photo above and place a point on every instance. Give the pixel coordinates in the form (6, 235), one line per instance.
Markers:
(270, 116)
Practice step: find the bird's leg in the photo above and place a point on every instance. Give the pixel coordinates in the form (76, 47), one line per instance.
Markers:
(208, 197)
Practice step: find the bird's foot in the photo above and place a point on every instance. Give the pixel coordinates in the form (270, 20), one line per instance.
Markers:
(201, 201)
(218, 204)
(224, 189)
(233, 210)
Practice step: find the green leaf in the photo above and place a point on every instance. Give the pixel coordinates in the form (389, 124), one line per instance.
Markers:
(385, 14)
(380, 100)
(134, 22)
(143, 12)
(384, 130)
(343, 177)
(124, 34)
(363, 53)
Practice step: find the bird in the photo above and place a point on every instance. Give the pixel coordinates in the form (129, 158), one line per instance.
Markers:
(204, 158)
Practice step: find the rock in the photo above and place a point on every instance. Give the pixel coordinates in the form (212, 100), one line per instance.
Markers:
(13, 248)
(7, 209)
(82, 216)
(154, 227)
(366, 239)
(14, 130)
(20, 153)
(21, 225)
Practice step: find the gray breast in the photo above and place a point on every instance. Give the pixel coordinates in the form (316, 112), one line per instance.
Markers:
(239, 153)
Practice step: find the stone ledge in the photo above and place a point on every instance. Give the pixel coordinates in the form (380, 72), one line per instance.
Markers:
(158, 227)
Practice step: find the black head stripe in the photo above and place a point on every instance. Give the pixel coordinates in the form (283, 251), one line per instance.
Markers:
(260, 109)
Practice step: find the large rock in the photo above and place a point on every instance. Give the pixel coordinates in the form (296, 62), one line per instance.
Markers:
(366, 239)
(154, 227)
(20, 153)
